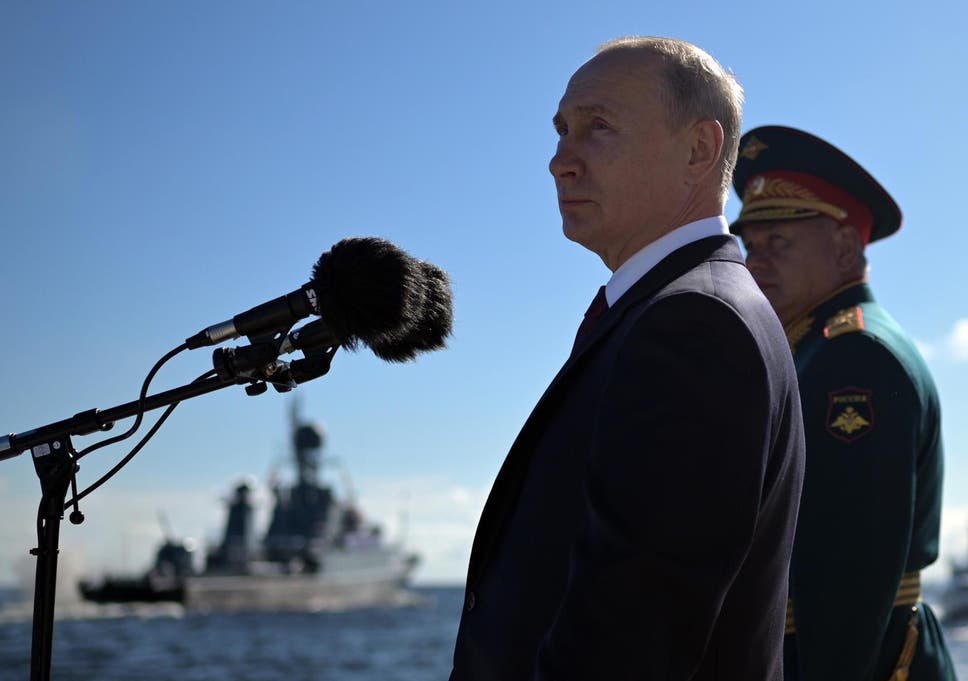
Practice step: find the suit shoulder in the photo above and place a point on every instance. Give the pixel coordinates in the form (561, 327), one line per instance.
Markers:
(727, 290)
(695, 306)
(696, 319)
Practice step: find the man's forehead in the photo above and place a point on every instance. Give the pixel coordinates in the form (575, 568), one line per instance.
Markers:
(606, 83)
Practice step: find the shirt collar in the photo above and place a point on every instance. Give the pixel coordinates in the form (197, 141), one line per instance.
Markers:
(648, 257)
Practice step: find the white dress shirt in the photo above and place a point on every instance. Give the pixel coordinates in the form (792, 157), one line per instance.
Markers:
(645, 259)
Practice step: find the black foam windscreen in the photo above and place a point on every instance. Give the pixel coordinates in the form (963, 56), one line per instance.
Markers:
(431, 328)
(369, 291)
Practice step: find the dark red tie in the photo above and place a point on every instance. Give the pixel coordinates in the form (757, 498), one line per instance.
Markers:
(595, 311)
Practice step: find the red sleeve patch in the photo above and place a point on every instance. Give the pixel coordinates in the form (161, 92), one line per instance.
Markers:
(850, 413)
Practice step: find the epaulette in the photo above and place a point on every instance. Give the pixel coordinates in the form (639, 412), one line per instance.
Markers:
(845, 321)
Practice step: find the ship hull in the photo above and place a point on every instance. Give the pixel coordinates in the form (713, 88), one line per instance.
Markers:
(346, 580)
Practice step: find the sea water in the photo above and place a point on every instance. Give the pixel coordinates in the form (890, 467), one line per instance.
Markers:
(410, 642)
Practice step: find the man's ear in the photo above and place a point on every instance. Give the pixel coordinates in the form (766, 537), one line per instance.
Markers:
(706, 146)
(848, 248)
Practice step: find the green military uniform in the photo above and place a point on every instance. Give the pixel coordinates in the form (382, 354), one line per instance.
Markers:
(871, 505)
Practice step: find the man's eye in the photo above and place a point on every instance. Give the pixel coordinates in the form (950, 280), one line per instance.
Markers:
(562, 130)
(599, 124)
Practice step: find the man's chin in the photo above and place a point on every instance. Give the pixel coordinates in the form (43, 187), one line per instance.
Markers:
(575, 231)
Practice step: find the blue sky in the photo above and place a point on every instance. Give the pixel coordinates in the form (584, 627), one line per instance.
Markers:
(164, 166)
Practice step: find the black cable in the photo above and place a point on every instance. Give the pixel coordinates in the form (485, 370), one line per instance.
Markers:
(40, 524)
(141, 406)
(137, 448)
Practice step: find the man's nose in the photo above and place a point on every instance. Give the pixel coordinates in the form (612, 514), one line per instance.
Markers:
(565, 162)
(757, 263)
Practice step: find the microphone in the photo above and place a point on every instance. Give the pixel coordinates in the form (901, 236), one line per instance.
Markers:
(366, 289)
(430, 330)
(318, 341)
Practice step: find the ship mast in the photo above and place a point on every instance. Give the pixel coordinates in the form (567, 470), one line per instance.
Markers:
(307, 443)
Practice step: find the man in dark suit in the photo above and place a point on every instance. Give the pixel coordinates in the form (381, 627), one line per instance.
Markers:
(871, 508)
(642, 523)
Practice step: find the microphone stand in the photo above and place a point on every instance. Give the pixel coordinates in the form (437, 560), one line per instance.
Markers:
(55, 470)
(54, 463)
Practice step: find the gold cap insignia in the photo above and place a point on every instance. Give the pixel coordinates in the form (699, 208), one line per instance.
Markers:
(752, 148)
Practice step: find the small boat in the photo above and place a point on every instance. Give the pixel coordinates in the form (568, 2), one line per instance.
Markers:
(164, 582)
(318, 553)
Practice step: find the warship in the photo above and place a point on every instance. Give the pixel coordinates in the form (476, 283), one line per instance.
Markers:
(318, 552)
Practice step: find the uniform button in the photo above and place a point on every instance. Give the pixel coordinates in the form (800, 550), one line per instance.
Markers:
(470, 601)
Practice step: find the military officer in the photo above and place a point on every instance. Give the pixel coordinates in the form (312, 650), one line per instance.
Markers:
(871, 505)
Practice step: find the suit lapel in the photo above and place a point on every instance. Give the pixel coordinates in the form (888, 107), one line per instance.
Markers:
(504, 492)
(668, 269)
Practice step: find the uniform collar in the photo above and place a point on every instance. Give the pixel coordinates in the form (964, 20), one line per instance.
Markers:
(847, 296)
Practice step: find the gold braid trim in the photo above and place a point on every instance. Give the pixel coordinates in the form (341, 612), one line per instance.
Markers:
(776, 198)
(795, 332)
(776, 188)
(798, 320)
(757, 209)
(903, 667)
(909, 590)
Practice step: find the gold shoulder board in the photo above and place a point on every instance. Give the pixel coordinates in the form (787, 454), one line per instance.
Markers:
(845, 321)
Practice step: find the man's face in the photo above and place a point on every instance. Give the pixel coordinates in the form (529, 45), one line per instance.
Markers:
(618, 165)
(793, 263)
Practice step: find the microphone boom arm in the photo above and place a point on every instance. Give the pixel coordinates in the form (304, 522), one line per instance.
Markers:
(92, 420)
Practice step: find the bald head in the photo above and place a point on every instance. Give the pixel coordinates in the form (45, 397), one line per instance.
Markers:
(692, 86)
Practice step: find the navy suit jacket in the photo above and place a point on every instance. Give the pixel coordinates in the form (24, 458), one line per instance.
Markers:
(641, 525)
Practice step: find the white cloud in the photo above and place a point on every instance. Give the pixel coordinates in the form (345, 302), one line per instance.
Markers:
(927, 350)
(957, 340)
(952, 346)
(954, 543)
